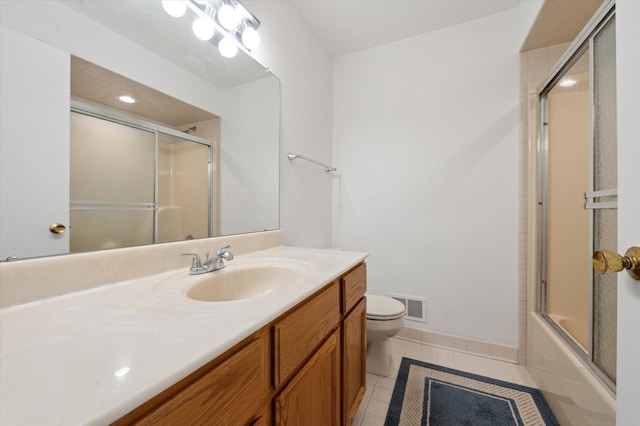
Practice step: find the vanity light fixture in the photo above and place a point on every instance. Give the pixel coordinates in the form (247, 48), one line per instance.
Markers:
(226, 23)
(227, 47)
(250, 38)
(127, 99)
(228, 17)
(203, 29)
(175, 8)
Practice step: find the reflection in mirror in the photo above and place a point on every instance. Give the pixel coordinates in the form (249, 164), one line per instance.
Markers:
(60, 60)
(153, 155)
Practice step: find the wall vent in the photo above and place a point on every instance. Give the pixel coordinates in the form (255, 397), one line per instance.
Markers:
(415, 307)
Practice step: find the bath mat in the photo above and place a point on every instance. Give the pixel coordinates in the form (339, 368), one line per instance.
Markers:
(430, 395)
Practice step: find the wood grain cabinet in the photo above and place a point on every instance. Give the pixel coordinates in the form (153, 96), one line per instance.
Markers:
(302, 331)
(233, 392)
(312, 398)
(305, 368)
(354, 342)
(354, 357)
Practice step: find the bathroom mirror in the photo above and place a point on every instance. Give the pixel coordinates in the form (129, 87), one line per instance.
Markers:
(139, 41)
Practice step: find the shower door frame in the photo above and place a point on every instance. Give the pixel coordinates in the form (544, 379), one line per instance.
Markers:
(95, 111)
(578, 47)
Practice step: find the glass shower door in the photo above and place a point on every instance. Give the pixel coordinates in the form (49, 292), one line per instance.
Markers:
(579, 193)
(605, 184)
(112, 184)
(135, 183)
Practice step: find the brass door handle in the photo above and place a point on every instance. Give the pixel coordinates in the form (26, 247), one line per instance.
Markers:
(57, 228)
(605, 262)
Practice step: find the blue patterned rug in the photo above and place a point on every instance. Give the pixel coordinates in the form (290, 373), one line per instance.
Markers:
(430, 395)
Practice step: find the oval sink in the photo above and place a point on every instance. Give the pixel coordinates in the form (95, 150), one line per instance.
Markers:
(242, 282)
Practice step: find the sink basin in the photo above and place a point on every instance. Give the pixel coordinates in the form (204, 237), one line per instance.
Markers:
(242, 282)
(241, 279)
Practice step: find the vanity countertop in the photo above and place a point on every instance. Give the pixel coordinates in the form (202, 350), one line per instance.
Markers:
(92, 356)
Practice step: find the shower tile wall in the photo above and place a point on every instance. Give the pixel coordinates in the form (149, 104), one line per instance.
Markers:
(534, 66)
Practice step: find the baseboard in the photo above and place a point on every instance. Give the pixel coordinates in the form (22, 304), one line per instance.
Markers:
(460, 344)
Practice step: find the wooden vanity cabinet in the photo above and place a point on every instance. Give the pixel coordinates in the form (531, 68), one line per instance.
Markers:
(302, 331)
(305, 368)
(354, 342)
(354, 354)
(234, 392)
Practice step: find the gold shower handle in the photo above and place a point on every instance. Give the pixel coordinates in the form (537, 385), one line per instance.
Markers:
(605, 262)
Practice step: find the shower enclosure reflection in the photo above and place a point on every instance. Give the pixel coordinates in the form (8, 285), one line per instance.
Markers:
(133, 186)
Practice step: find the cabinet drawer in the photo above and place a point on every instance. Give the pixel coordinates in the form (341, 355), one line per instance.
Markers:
(354, 285)
(302, 331)
(230, 394)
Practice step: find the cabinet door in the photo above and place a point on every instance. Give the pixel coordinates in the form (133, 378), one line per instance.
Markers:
(230, 394)
(354, 358)
(312, 398)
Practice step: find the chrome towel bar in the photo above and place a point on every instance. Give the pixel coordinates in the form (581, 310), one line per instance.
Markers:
(327, 168)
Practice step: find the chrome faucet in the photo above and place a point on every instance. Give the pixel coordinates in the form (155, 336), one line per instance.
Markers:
(210, 265)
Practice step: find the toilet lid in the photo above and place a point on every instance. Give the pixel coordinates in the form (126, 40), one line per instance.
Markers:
(381, 308)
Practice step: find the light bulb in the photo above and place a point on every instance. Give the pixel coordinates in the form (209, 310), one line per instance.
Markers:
(228, 17)
(127, 99)
(250, 38)
(242, 12)
(175, 8)
(567, 82)
(203, 29)
(227, 48)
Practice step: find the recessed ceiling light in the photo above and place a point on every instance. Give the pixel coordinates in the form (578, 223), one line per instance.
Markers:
(127, 99)
(567, 82)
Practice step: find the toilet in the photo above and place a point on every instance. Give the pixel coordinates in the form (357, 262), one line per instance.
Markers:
(385, 317)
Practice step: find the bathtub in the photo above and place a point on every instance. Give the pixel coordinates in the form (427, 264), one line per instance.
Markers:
(575, 395)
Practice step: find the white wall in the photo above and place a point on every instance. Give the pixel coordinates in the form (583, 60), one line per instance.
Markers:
(303, 66)
(426, 142)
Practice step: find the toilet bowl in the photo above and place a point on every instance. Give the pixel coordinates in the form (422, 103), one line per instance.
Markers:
(385, 317)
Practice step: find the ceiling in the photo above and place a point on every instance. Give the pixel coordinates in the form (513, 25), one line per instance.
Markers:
(559, 21)
(346, 26)
(89, 82)
(343, 26)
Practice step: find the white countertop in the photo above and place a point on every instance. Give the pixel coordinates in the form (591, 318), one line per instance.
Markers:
(92, 356)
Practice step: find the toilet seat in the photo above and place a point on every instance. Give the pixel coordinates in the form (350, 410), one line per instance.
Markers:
(380, 308)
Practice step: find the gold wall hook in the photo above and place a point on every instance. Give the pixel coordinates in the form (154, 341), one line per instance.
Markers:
(57, 228)
(606, 262)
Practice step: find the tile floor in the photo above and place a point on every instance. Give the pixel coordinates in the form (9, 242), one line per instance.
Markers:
(375, 403)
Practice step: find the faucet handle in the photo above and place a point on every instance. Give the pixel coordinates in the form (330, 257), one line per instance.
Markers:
(196, 263)
(221, 251)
